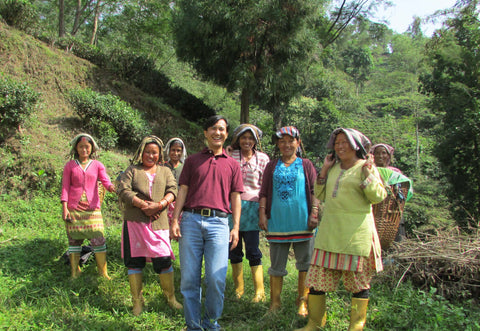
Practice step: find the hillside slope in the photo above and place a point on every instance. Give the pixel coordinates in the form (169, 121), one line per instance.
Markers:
(43, 141)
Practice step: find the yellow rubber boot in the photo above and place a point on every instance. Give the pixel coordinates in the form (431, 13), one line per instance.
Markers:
(257, 276)
(101, 259)
(237, 273)
(276, 283)
(74, 261)
(358, 314)
(302, 294)
(168, 288)
(317, 315)
(135, 281)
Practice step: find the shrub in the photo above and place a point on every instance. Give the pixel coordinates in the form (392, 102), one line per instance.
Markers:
(83, 50)
(107, 136)
(139, 70)
(109, 116)
(17, 102)
(20, 14)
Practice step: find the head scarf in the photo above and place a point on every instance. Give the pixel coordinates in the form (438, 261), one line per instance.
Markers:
(169, 144)
(74, 142)
(241, 129)
(292, 132)
(288, 130)
(137, 157)
(389, 149)
(358, 141)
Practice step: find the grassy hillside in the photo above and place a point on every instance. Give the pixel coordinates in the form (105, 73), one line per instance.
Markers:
(35, 290)
(43, 141)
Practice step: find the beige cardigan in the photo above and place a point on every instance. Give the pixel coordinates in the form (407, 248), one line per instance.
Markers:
(134, 182)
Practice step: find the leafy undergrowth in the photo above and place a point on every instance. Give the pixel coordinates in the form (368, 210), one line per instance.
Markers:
(36, 292)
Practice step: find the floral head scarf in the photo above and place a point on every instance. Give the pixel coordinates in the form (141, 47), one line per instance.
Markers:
(137, 157)
(74, 142)
(169, 145)
(358, 141)
(241, 129)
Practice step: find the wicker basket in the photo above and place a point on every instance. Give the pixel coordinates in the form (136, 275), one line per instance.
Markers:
(388, 213)
(101, 191)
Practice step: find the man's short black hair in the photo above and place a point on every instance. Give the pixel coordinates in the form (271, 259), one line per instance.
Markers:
(214, 119)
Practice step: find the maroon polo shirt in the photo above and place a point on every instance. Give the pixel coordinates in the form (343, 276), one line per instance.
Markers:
(210, 180)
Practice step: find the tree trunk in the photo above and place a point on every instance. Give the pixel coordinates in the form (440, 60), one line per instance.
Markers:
(95, 22)
(78, 13)
(277, 117)
(61, 18)
(245, 105)
(417, 138)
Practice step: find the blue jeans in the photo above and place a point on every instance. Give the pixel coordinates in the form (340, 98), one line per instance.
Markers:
(203, 238)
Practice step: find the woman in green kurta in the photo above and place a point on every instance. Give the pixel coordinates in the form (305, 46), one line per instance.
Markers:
(347, 245)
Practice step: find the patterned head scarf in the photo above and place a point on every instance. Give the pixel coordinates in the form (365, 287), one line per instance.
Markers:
(74, 142)
(292, 132)
(137, 157)
(358, 141)
(388, 148)
(241, 129)
(169, 145)
(288, 130)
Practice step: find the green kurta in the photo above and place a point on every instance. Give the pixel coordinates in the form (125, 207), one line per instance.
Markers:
(347, 225)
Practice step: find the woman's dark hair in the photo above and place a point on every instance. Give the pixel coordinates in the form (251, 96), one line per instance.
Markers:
(90, 141)
(214, 119)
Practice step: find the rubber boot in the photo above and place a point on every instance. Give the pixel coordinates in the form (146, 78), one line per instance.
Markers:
(74, 261)
(302, 294)
(101, 259)
(136, 290)
(276, 283)
(317, 315)
(166, 282)
(358, 314)
(237, 273)
(257, 276)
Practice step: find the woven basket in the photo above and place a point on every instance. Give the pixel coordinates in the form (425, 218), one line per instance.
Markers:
(101, 192)
(388, 213)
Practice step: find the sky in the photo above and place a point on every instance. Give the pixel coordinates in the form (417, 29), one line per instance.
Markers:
(400, 15)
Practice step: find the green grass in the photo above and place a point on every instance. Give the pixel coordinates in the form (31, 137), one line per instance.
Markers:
(36, 292)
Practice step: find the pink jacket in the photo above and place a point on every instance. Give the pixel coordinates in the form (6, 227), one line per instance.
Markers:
(76, 180)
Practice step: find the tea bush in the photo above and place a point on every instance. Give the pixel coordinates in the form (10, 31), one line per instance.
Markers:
(109, 118)
(20, 14)
(17, 102)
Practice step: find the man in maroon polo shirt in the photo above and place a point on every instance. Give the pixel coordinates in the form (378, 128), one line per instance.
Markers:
(210, 187)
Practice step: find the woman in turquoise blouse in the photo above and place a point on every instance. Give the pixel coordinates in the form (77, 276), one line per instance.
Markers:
(288, 211)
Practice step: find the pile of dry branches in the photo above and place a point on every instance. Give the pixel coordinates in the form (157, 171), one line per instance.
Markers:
(448, 261)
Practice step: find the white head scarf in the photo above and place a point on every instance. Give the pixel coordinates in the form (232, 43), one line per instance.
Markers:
(74, 142)
(169, 144)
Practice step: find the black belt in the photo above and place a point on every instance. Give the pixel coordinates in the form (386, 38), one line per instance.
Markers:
(207, 212)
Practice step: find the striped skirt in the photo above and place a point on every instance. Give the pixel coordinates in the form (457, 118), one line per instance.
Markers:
(84, 223)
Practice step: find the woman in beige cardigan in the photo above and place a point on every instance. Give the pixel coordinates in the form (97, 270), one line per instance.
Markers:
(146, 189)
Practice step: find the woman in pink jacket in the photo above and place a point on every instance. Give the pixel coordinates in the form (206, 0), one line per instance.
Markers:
(81, 202)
